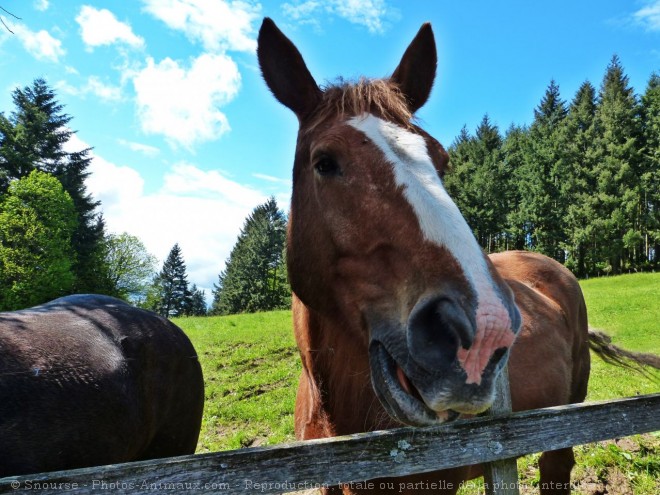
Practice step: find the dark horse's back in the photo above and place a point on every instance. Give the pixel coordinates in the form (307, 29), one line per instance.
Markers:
(89, 380)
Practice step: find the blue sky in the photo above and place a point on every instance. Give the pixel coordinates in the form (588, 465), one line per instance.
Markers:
(187, 139)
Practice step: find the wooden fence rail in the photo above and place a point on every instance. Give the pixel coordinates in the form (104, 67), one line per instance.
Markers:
(357, 458)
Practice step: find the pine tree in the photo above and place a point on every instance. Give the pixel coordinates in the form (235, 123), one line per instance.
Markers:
(551, 111)
(650, 172)
(541, 174)
(478, 182)
(33, 138)
(579, 134)
(197, 301)
(518, 228)
(254, 278)
(490, 184)
(89, 238)
(458, 180)
(173, 280)
(618, 169)
(34, 135)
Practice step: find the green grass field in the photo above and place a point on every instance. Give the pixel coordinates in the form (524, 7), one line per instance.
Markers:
(251, 370)
(627, 307)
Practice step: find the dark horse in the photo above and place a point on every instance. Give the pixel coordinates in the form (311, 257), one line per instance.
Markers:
(398, 314)
(89, 380)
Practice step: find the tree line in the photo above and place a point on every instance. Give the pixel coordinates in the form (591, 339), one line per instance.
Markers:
(581, 184)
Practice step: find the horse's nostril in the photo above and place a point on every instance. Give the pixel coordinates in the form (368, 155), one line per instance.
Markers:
(497, 356)
(436, 329)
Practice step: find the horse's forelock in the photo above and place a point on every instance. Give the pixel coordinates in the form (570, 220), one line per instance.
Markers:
(344, 99)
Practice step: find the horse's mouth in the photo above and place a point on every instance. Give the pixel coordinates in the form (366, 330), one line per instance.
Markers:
(397, 393)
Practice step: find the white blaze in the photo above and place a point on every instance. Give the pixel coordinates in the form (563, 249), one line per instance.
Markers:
(443, 224)
(439, 218)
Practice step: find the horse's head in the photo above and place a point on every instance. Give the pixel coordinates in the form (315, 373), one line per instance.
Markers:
(375, 239)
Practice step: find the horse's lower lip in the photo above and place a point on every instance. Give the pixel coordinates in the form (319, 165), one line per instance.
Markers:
(398, 395)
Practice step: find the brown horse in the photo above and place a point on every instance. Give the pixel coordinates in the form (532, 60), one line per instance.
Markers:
(398, 314)
(89, 380)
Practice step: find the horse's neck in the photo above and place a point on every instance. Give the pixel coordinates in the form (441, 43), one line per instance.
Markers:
(336, 359)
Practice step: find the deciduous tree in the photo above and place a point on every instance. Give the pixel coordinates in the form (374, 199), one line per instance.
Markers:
(131, 267)
(37, 222)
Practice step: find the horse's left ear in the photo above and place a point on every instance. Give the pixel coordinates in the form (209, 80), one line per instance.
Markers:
(416, 71)
(285, 71)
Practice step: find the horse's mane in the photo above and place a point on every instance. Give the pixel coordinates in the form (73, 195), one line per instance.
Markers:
(351, 98)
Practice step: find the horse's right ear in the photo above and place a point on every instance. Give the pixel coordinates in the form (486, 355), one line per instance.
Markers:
(416, 71)
(284, 70)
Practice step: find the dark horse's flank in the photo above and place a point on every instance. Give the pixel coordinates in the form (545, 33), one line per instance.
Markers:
(89, 380)
(399, 316)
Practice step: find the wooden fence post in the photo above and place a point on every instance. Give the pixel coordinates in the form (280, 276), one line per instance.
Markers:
(501, 477)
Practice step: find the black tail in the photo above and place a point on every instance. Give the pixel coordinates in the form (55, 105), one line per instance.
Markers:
(601, 344)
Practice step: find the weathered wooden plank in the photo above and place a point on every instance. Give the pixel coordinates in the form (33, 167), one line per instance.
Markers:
(365, 456)
(501, 477)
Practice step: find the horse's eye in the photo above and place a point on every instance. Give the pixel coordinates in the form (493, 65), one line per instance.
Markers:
(325, 165)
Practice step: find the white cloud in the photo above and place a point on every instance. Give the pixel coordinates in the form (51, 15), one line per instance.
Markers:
(182, 101)
(145, 149)
(41, 5)
(276, 180)
(305, 12)
(113, 185)
(109, 183)
(41, 45)
(101, 27)
(65, 87)
(368, 13)
(302, 10)
(183, 104)
(201, 210)
(219, 25)
(649, 16)
(93, 86)
(102, 90)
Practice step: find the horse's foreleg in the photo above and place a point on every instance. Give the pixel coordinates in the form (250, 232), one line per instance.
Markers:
(555, 467)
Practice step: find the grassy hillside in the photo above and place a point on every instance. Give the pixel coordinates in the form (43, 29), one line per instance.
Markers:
(627, 307)
(251, 369)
